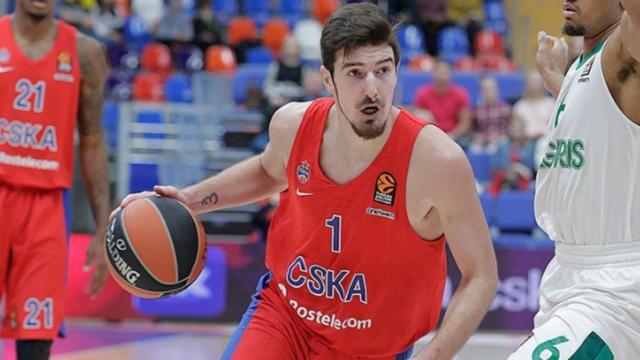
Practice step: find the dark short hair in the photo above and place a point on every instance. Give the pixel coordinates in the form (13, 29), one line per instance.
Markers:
(353, 26)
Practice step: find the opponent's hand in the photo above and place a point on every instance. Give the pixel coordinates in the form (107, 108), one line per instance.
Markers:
(552, 55)
(96, 257)
(167, 191)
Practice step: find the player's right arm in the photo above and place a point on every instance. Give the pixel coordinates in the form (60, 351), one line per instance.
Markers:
(250, 180)
(630, 28)
(552, 58)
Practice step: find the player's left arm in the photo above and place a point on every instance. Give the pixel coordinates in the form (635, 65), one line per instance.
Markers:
(93, 153)
(630, 28)
(450, 184)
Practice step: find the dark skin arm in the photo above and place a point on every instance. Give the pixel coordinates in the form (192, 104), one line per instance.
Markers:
(93, 153)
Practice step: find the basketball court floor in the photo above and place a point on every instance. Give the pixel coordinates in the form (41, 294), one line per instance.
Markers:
(158, 341)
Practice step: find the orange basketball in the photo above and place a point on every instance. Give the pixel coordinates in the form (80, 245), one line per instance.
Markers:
(156, 246)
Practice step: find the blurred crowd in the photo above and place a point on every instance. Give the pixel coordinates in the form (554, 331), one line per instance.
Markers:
(436, 36)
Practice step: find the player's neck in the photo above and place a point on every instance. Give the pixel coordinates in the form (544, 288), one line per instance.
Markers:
(353, 146)
(590, 43)
(31, 29)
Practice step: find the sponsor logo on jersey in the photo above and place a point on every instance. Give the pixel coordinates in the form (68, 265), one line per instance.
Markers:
(584, 76)
(343, 285)
(63, 77)
(565, 154)
(64, 62)
(382, 213)
(5, 56)
(385, 189)
(302, 193)
(27, 135)
(304, 172)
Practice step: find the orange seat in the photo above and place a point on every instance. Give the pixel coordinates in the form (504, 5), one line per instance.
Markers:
(241, 28)
(422, 62)
(156, 58)
(466, 63)
(322, 9)
(148, 87)
(489, 42)
(275, 31)
(220, 58)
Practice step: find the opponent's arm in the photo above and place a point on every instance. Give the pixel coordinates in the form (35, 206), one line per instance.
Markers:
(253, 179)
(552, 57)
(93, 153)
(630, 28)
(451, 184)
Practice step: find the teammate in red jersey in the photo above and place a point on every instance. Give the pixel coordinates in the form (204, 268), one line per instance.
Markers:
(369, 192)
(50, 75)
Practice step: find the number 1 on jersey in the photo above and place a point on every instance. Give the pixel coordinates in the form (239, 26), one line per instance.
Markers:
(336, 234)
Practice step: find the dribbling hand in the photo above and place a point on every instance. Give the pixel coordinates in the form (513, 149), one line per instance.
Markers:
(167, 191)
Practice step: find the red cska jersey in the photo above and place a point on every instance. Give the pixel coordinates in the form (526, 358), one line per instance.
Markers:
(38, 109)
(345, 259)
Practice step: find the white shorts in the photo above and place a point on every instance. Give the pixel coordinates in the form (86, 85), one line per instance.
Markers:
(589, 306)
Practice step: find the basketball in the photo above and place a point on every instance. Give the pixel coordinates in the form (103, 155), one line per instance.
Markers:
(156, 247)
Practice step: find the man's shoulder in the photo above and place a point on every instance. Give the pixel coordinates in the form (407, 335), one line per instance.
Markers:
(458, 90)
(435, 152)
(287, 119)
(86, 43)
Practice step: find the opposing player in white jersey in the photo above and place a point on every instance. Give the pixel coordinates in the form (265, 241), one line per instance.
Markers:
(588, 189)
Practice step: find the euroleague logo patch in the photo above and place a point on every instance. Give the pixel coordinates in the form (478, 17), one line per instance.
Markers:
(304, 172)
(385, 190)
(64, 61)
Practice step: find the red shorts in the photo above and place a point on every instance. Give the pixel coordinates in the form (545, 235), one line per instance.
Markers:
(268, 332)
(33, 258)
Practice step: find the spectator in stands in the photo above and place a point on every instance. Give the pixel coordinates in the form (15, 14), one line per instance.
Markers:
(469, 15)
(206, 29)
(284, 77)
(535, 108)
(313, 86)
(150, 11)
(447, 103)
(176, 27)
(431, 17)
(491, 118)
(307, 32)
(513, 162)
(74, 13)
(107, 22)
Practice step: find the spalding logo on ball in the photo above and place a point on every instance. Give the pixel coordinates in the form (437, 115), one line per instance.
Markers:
(156, 246)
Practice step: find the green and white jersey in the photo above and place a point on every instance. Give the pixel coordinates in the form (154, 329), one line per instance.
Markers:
(588, 184)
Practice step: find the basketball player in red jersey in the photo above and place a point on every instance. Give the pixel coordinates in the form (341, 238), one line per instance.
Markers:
(356, 249)
(50, 75)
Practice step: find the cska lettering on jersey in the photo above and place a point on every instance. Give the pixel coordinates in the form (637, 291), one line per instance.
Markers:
(564, 153)
(27, 135)
(326, 282)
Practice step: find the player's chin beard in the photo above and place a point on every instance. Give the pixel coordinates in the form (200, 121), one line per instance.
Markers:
(368, 132)
(574, 30)
(35, 17)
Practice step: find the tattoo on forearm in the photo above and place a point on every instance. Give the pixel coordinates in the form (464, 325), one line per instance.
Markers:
(212, 199)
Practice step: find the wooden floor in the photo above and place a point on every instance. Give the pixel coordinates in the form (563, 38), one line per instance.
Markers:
(149, 341)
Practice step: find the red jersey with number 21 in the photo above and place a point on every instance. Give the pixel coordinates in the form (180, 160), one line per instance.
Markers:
(346, 260)
(38, 109)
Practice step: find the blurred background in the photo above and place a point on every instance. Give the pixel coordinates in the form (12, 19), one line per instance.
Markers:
(192, 87)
